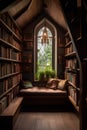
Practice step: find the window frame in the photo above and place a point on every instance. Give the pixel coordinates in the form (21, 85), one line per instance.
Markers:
(53, 30)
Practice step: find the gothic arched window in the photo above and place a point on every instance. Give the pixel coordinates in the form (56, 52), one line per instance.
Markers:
(44, 50)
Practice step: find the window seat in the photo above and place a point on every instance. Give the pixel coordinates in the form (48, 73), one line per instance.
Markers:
(43, 96)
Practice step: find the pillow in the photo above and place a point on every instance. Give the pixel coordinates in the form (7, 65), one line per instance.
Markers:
(62, 84)
(27, 84)
(49, 81)
(52, 83)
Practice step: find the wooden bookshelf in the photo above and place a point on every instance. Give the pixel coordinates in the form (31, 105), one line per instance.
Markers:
(27, 56)
(10, 59)
(71, 71)
(60, 55)
(76, 18)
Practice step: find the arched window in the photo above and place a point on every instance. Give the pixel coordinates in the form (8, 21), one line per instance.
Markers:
(44, 52)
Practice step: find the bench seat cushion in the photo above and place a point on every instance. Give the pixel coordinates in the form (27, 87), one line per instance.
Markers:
(42, 91)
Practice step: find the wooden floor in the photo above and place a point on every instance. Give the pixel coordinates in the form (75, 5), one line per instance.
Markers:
(47, 120)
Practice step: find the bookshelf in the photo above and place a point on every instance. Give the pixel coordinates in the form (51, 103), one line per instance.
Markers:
(27, 56)
(76, 18)
(72, 72)
(10, 59)
(60, 54)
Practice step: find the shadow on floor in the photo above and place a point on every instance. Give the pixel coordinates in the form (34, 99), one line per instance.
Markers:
(47, 108)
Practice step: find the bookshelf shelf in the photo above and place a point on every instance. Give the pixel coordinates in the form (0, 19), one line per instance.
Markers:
(70, 70)
(9, 75)
(66, 34)
(84, 59)
(67, 44)
(79, 38)
(74, 19)
(9, 60)
(9, 90)
(73, 85)
(7, 44)
(72, 54)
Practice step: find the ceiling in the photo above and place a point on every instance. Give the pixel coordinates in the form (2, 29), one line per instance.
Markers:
(24, 11)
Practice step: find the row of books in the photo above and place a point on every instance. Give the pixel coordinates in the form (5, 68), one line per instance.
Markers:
(9, 22)
(28, 45)
(5, 85)
(27, 57)
(9, 68)
(69, 49)
(7, 99)
(16, 44)
(8, 83)
(67, 38)
(72, 77)
(9, 53)
(5, 35)
(73, 93)
(71, 63)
